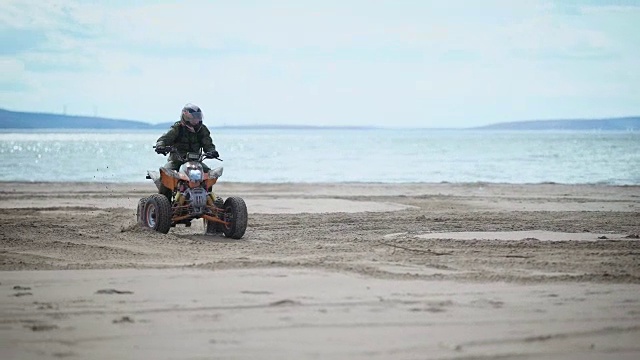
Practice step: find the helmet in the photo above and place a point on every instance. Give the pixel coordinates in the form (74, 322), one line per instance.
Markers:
(191, 117)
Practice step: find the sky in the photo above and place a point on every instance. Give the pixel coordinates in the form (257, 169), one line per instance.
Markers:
(395, 63)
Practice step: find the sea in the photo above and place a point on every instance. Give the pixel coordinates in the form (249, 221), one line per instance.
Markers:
(336, 155)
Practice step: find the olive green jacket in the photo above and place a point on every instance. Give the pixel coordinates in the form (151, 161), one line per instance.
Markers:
(185, 140)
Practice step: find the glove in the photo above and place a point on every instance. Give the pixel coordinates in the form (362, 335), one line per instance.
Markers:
(212, 154)
(161, 149)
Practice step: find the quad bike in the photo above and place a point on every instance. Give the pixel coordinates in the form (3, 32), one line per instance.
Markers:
(186, 195)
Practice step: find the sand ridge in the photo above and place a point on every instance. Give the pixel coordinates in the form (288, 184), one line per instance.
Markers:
(93, 226)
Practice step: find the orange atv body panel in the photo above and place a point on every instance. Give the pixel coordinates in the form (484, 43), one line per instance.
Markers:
(170, 178)
(210, 181)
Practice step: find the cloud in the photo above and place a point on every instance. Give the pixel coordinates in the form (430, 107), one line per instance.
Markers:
(20, 41)
(552, 36)
(15, 82)
(328, 62)
(11, 68)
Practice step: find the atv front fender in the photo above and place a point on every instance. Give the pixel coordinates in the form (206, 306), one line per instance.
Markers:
(164, 179)
(155, 176)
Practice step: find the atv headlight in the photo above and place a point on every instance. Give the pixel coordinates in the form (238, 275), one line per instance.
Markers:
(195, 175)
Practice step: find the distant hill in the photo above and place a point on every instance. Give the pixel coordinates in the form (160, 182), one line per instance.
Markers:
(623, 123)
(30, 120)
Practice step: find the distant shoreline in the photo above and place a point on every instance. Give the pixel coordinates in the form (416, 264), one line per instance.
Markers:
(146, 184)
(328, 128)
(15, 120)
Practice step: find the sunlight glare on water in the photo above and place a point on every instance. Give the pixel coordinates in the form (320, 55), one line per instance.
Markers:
(330, 155)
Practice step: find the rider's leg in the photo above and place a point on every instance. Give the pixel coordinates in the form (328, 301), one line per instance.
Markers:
(171, 165)
(206, 169)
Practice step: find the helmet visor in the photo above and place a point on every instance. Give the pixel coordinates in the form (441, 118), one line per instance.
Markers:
(194, 117)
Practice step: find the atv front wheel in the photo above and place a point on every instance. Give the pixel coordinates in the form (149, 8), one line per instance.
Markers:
(235, 214)
(158, 213)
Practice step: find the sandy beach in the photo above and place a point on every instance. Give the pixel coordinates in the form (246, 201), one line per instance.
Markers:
(337, 271)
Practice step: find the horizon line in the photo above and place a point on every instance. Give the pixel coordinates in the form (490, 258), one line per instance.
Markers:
(354, 127)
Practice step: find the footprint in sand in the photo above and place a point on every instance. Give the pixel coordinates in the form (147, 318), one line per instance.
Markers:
(285, 302)
(252, 292)
(41, 327)
(124, 319)
(113, 291)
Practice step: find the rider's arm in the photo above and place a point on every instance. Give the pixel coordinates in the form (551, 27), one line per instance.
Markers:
(206, 141)
(168, 138)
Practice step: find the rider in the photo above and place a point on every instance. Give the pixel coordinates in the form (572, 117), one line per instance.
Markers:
(187, 135)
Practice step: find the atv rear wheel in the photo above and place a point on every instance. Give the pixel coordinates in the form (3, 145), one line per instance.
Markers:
(158, 213)
(211, 227)
(235, 213)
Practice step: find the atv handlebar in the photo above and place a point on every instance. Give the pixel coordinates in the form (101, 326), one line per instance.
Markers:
(172, 149)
